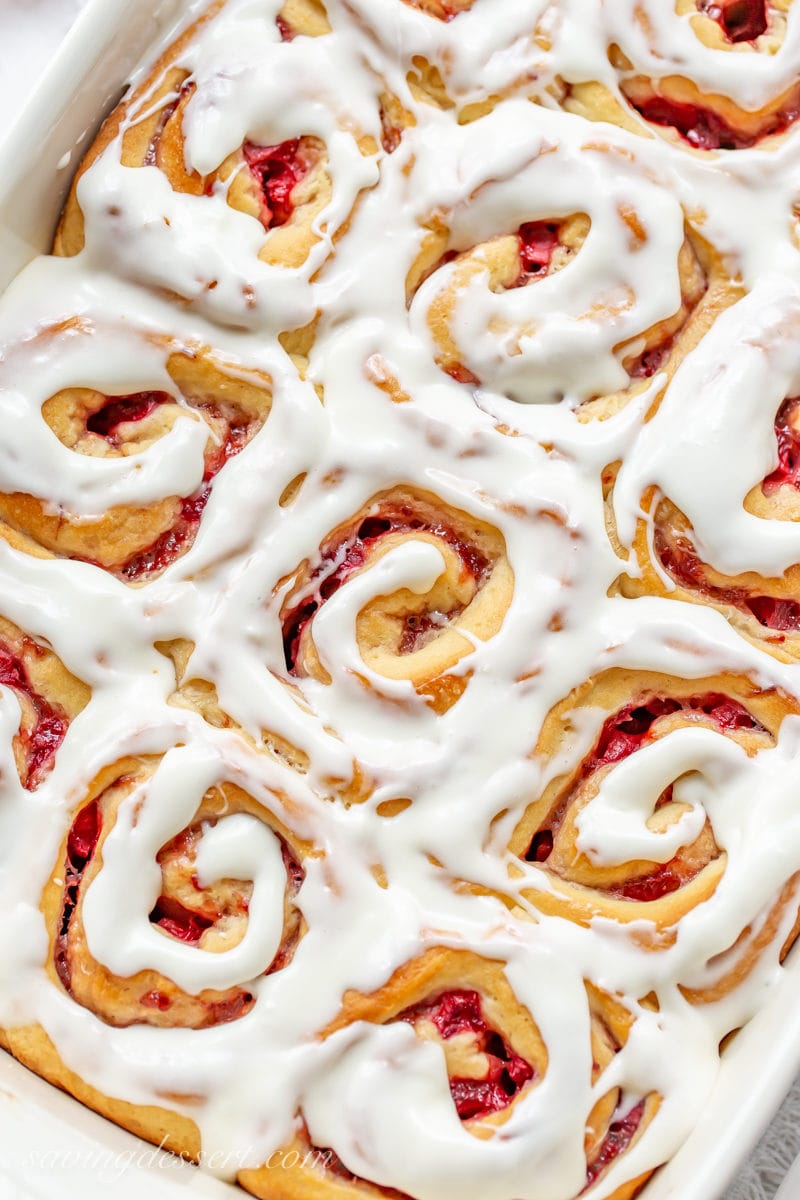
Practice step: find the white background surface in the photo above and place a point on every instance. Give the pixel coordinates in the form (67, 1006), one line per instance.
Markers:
(29, 32)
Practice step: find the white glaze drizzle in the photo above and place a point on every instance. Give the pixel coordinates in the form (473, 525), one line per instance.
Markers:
(378, 1095)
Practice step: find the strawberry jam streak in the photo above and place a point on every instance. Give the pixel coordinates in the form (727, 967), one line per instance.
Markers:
(459, 1012)
(616, 1142)
(179, 537)
(284, 29)
(650, 361)
(788, 439)
(680, 559)
(81, 845)
(623, 733)
(43, 740)
(121, 409)
(707, 130)
(740, 20)
(537, 244)
(626, 730)
(351, 552)
(169, 914)
(277, 170)
(179, 922)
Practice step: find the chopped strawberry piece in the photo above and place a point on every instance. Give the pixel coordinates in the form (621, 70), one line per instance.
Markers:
(180, 922)
(49, 730)
(284, 29)
(121, 409)
(660, 883)
(537, 244)
(740, 20)
(541, 847)
(705, 129)
(774, 613)
(619, 1137)
(350, 552)
(277, 170)
(84, 835)
(461, 1012)
(787, 471)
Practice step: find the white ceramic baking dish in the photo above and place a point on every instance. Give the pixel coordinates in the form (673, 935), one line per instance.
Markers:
(51, 1146)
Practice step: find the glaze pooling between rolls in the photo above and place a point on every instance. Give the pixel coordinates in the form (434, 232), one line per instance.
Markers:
(399, 571)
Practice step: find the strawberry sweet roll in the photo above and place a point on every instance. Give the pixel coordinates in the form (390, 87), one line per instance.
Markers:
(706, 75)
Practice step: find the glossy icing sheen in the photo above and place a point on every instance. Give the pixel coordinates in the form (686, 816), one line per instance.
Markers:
(378, 1095)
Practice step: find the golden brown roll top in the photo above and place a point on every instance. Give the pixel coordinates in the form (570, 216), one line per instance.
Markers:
(415, 635)
(494, 1056)
(210, 917)
(638, 709)
(137, 542)
(49, 698)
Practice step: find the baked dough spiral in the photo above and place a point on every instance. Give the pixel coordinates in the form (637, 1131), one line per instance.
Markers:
(506, 284)
(673, 552)
(493, 1055)
(419, 630)
(107, 431)
(688, 72)
(200, 911)
(452, 55)
(670, 563)
(295, 183)
(654, 734)
(49, 698)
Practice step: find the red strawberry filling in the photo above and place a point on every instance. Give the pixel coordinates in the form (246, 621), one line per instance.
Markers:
(119, 410)
(341, 559)
(705, 129)
(537, 244)
(680, 559)
(623, 733)
(179, 537)
(619, 1137)
(740, 20)
(419, 628)
(41, 742)
(277, 170)
(788, 439)
(81, 845)
(460, 1012)
(180, 922)
(650, 361)
(284, 29)
(185, 924)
